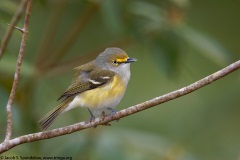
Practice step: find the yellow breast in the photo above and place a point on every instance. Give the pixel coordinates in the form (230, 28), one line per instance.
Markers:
(105, 96)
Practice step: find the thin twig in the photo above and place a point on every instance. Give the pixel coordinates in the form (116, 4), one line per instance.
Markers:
(16, 75)
(13, 23)
(123, 113)
(17, 28)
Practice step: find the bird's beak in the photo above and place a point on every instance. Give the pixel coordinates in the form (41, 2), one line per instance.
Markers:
(130, 60)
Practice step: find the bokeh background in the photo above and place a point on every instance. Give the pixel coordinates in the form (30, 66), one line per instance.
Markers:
(176, 43)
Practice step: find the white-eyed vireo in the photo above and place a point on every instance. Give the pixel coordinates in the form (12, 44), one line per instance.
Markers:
(98, 86)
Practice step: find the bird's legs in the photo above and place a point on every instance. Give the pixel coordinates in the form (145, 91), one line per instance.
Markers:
(113, 111)
(92, 116)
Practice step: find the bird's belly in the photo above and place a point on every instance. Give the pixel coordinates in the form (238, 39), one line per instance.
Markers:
(107, 96)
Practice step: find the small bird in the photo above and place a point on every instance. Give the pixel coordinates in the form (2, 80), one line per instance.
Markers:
(98, 85)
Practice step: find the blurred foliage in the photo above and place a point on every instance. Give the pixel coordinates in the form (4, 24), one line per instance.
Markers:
(176, 43)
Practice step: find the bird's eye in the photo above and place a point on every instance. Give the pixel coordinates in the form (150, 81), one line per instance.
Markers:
(115, 62)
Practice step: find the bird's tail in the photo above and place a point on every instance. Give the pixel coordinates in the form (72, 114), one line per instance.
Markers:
(49, 118)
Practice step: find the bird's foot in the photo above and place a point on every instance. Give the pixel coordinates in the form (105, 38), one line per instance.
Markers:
(113, 111)
(91, 119)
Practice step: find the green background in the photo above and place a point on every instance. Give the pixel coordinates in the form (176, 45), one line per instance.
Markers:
(176, 42)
